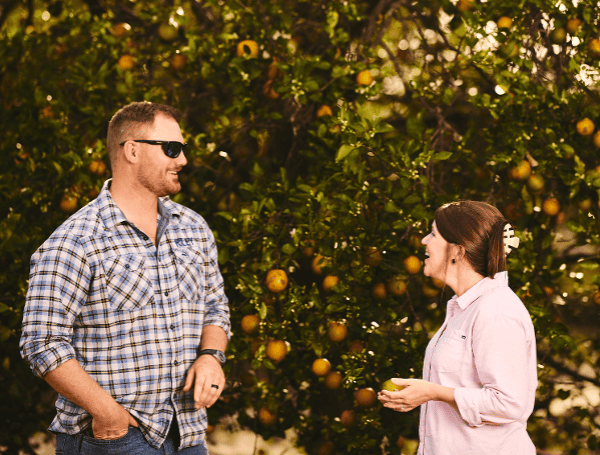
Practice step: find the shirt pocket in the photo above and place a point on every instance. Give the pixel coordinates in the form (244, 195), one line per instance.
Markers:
(126, 283)
(190, 272)
(452, 351)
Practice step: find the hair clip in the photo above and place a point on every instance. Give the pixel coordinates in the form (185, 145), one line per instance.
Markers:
(510, 241)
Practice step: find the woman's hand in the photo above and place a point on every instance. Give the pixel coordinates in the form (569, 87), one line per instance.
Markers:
(415, 393)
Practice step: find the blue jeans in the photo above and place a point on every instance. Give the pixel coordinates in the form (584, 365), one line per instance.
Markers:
(133, 443)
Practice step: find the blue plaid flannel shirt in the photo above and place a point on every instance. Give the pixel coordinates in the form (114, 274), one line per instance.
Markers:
(130, 312)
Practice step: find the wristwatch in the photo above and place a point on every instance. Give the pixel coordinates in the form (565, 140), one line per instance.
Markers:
(219, 355)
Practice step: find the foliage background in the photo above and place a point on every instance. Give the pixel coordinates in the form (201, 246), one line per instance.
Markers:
(454, 105)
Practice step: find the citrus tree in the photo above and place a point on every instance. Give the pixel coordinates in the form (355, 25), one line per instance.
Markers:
(323, 137)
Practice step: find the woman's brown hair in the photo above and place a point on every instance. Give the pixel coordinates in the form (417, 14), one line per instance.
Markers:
(477, 227)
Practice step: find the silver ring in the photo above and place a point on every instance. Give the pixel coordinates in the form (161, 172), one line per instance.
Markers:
(402, 407)
(215, 386)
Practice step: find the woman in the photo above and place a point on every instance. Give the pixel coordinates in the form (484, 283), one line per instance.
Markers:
(480, 368)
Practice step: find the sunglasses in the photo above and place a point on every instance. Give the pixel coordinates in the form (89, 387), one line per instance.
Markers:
(171, 148)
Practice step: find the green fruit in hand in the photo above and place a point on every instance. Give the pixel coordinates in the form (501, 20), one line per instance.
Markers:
(390, 386)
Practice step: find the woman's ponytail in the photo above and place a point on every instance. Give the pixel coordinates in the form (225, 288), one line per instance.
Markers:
(496, 254)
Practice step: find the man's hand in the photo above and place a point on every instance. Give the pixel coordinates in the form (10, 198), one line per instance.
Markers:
(113, 424)
(203, 374)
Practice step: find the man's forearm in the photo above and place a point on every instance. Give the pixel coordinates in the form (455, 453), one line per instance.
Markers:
(71, 381)
(213, 337)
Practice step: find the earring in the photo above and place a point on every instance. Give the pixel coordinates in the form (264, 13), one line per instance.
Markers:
(454, 261)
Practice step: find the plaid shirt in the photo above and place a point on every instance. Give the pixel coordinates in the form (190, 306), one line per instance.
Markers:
(130, 312)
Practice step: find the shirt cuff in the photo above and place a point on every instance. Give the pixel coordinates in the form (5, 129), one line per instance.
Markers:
(467, 401)
(219, 322)
(51, 358)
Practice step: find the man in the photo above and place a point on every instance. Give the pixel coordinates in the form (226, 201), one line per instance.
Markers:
(126, 317)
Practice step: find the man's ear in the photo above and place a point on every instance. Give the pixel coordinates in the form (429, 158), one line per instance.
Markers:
(131, 152)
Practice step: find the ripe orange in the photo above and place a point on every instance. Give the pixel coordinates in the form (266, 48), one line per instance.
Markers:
(250, 324)
(585, 204)
(267, 417)
(120, 30)
(277, 350)
(535, 182)
(277, 280)
(348, 417)
(366, 397)
(333, 380)
(396, 286)
(520, 172)
(309, 249)
(318, 263)
(551, 206)
(321, 367)
(325, 448)
(438, 283)
(596, 297)
(585, 127)
(548, 290)
(594, 47)
(247, 47)
(126, 62)
(269, 91)
(68, 203)
(596, 139)
(97, 167)
(400, 442)
(573, 26)
(329, 282)
(324, 111)
(364, 78)
(178, 62)
(272, 70)
(505, 22)
(465, 5)
(412, 264)
(379, 291)
(372, 256)
(561, 218)
(356, 346)
(337, 331)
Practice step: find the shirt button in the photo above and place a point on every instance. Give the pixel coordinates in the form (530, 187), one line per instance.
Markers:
(167, 293)
(127, 266)
(172, 327)
(175, 362)
(145, 237)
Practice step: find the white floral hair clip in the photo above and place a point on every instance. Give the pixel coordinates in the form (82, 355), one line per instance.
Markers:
(510, 241)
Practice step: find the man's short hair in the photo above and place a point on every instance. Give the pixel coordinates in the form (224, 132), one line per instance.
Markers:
(132, 119)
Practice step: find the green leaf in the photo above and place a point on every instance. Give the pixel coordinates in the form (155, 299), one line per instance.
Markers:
(288, 249)
(262, 310)
(440, 156)
(344, 151)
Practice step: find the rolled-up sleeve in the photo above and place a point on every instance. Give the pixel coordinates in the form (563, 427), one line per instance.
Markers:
(500, 353)
(58, 283)
(216, 303)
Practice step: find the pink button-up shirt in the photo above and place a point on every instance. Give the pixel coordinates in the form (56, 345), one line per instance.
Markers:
(485, 350)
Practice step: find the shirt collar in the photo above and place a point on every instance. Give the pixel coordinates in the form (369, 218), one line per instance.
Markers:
(112, 215)
(480, 288)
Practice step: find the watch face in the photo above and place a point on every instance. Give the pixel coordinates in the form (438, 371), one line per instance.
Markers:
(220, 356)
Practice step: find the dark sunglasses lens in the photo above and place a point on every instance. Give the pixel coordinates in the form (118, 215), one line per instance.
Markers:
(173, 149)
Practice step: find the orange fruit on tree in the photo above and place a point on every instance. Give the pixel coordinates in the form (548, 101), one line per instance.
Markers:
(97, 167)
(396, 286)
(269, 91)
(321, 367)
(318, 263)
(348, 417)
(356, 346)
(520, 172)
(558, 36)
(126, 62)
(266, 416)
(309, 249)
(536, 183)
(504, 22)
(324, 111)
(277, 350)
(378, 291)
(438, 283)
(366, 397)
(573, 26)
(337, 331)
(68, 203)
(120, 30)
(400, 442)
(585, 127)
(412, 265)
(596, 297)
(247, 47)
(594, 47)
(596, 139)
(364, 78)
(372, 256)
(272, 70)
(250, 324)
(585, 204)
(277, 280)
(167, 31)
(326, 448)
(329, 282)
(333, 380)
(465, 5)
(551, 206)
(178, 62)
